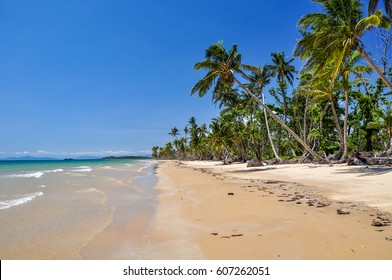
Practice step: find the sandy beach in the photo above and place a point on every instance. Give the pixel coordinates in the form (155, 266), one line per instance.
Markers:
(210, 211)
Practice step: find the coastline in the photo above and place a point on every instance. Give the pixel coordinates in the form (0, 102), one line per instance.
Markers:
(86, 210)
(210, 211)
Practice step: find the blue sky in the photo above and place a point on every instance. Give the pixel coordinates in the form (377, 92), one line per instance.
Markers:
(108, 77)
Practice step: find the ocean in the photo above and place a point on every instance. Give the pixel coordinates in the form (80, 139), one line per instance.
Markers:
(77, 209)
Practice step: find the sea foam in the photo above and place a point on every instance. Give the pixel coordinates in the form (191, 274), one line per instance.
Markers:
(27, 175)
(18, 201)
(54, 171)
(82, 169)
(37, 174)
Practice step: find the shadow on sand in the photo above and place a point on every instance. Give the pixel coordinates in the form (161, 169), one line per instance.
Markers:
(253, 170)
(366, 171)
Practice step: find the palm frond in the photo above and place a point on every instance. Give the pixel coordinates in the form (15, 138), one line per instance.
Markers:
(203, 86)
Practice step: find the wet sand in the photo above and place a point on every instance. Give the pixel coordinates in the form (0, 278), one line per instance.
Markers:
(210, 211)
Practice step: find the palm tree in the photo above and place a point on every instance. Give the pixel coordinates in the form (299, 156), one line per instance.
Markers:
(321, 89)
(155, 152)
(385, 123)
(335, 34)
(387, 6)
(259, 78)
(220, 139)
(186, 132)
(174, 132)
(350, 67)
(222, 67)
(284, 71)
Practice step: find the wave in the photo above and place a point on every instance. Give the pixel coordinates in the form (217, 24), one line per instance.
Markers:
(27, 175)
(37, 174)
(54, 171)
(82, 169)
(107, 167)
(18, 201)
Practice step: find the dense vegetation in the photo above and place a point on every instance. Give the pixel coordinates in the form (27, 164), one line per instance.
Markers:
(336, 107)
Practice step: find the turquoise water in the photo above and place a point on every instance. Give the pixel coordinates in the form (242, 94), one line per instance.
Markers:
(55, 209)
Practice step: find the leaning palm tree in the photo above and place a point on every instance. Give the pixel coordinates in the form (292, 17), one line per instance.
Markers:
(387, 6)
(335, 34)
(259, 78)
(222, 67)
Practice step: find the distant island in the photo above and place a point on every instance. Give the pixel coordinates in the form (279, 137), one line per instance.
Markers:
(26, 158)
(126, 157)
(30, 158)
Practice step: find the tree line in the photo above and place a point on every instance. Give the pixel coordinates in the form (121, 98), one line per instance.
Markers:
(334, 109)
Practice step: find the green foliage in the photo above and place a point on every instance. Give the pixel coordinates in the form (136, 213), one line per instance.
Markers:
(332, 107)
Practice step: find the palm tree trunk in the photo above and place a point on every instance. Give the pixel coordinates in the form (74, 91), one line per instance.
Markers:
(305, 118)
(316, 156)
(338, 128)
(374, 66)
(269, 133)
(345, 134)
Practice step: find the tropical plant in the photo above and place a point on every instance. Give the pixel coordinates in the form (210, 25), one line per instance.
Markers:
(372, 6)
(174, 132)
(284, 72)
(259, 78)
(222, 67)
(335, 34)
(384, 123)
(348, 68)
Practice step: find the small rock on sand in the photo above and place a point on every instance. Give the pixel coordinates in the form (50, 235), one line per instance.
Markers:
(255, 163)
(343, 211)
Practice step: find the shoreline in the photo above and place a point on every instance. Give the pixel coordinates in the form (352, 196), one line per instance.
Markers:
(96, 211)
(210, 211)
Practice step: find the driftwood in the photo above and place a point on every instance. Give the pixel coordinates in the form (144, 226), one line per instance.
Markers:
(368, 158)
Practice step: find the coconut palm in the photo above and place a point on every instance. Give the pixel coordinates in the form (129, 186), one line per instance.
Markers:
(282, 68)
(348, 68)
(385, 123)
(222, 66)
(372, 6)
(321, 89)
(335, 34)
(174, 132)
(220, 139)
(284, 72)
(155, 152)
(259, 78)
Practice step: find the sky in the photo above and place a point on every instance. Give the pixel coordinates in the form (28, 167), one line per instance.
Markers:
(112, 77)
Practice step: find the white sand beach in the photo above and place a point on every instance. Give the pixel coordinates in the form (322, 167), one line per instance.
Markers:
(211, 211)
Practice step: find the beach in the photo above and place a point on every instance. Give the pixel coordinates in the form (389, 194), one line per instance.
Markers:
(207, 210)
(169, 210)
